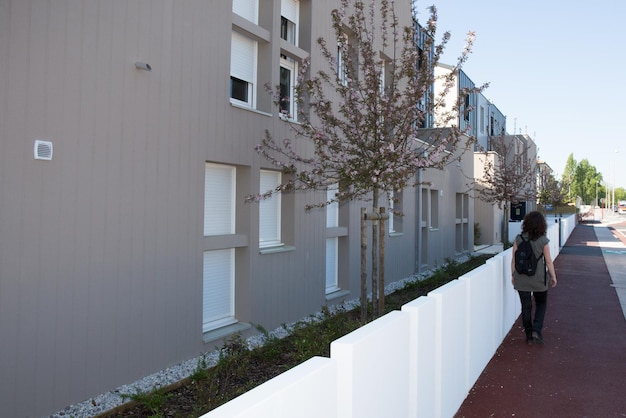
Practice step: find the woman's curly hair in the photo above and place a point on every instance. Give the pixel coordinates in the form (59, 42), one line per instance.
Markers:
(534, 225)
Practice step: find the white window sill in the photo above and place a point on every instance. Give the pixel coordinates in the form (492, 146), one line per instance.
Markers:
(288, 118)
(248, 108)
(277, 249)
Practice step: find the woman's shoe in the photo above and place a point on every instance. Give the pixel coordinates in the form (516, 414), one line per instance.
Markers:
(537, 338)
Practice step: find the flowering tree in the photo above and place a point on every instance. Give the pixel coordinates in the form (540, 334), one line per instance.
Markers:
(360, 111)
(508, 176)
(552, 192)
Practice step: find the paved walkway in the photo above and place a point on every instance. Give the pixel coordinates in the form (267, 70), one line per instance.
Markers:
(580, 371)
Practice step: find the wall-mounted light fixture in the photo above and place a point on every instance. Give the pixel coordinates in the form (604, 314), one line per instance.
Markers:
(143, 66)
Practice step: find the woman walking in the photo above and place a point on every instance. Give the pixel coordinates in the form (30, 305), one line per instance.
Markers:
(534, 286)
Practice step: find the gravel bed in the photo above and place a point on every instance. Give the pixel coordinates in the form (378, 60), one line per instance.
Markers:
(109, 400)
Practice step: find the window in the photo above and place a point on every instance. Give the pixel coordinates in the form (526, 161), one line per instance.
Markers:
(289, 10)
(332, 210)
(243, 69)
(218, 293)
(386, 73)
(482, 119)
(248, 9)
(332, 256)
(332, 243)
(342, 69)
(219, 199)
(391, 210)
(287, 81)
(270, 210)
(240, 90)
(434, 209)
(421, 105)
(287, 30)
(395, 212)
(462, 222)
(218, 275)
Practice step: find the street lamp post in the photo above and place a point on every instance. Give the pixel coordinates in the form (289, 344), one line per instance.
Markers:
(613, 198)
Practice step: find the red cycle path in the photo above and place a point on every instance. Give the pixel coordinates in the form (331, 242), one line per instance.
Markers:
(580, 371)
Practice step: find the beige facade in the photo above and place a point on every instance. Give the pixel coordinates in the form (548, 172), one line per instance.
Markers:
(126, 245)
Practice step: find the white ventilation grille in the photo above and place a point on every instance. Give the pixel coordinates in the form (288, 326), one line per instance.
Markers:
(43, 150)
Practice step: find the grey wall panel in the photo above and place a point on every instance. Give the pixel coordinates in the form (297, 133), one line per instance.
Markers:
(101, 248)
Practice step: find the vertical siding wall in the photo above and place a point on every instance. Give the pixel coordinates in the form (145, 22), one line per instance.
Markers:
(101, 248)
(99, 261)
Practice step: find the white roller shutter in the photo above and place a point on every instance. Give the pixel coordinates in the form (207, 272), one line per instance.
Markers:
(218, 298)
(248, 9)
(269, 210)
(289, 10)
(243, 58)
(332, 210)
(332, 255)
(219, 199)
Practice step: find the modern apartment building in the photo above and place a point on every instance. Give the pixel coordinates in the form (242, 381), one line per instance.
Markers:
(127, 148)
(490, 122)
(526, 150)
(483, 121)
(487, 216)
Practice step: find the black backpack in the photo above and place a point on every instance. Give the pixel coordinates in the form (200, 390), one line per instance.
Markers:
(525, 258)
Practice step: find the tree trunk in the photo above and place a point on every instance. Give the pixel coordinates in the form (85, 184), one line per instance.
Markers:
(363, 267)
(505, 226)
(381, 257)
(375, 260)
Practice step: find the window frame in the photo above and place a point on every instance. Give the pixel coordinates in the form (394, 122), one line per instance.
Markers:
(290, 65)
(342, 67)
(332, 265)
(395, 220)
(288, 30)
(225, 224)
(270, 210)
(225, 316)
(332, 243)
(290, 13)
(218, 265)
(246, 50)
(434, 209)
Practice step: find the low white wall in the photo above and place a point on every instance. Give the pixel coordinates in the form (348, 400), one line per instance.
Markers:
(559, 229)
(421, 361)
(370, 360)
(423, 351)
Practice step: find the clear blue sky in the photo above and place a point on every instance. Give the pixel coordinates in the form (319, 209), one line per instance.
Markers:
(556, 68)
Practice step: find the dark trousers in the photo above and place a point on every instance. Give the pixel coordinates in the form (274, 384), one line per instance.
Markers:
(541, 300)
